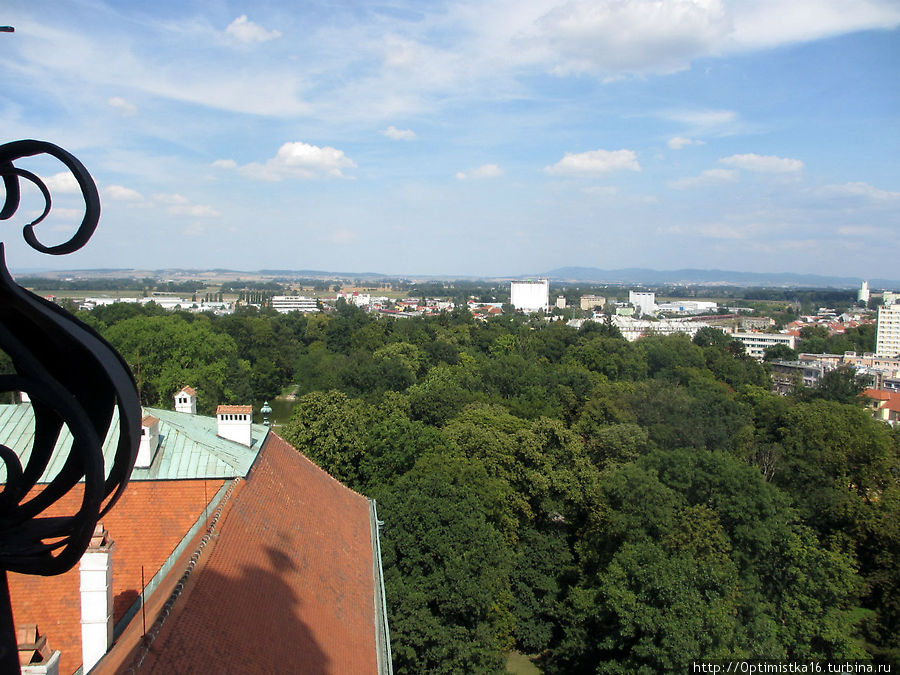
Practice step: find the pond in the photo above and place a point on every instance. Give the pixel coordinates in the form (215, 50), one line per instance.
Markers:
(281, 411)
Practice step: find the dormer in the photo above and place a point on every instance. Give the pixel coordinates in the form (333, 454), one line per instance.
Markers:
(149, 442)
(233, 423)
(186, 401)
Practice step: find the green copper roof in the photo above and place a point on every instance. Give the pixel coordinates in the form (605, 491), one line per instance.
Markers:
(188, 446)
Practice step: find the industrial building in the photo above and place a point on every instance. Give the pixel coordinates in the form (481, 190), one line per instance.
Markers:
(532, 295)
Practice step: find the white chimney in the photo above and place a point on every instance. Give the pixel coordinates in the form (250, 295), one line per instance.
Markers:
(234, 423)
(96, 599)
(149, 442)
(186, 401)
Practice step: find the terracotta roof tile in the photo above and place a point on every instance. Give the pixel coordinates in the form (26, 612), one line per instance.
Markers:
(146, 525)
(149, 420)
(288, 585)
(187, 390)
(240, 409)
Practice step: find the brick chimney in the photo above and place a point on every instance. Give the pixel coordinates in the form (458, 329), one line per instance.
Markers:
(186, 401)
(96, 598)
(35, 655)
(234, 422)
(149, 442)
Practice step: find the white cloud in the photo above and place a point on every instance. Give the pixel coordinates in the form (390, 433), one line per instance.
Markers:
(768, 23)
(594, 162)
(708, 177)
(296, 160)
(680, 142)
(124, 107)
(63, 182)
(861, 231)
(399, 134)
(197, 210)
(605, 190)
(122, 194)
(244, 30)
(860, 189)
(650, 36)
(638, 36)
(179, 205)
(170, 199)
(483, 171)
(763, 163)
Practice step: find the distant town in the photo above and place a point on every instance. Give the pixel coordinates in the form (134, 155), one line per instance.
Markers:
(770, 327)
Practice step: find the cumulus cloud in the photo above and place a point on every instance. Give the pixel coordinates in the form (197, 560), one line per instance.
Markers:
(635, 36)
(120, 193)
(295, 160)
(483, 171)
(604, 190)
(179, 205)
(859, 189)
(124, 107)
(170, 198)
(763, 163)
(199, 210)
(244, 30)
(649, 36)
(595, 162)
(63, 182)
(708, 177)
(680, 142)
(399, 134)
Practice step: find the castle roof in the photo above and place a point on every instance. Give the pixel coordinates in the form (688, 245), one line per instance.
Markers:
(252, 559)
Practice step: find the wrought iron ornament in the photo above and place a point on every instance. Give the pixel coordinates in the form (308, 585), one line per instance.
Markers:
(74, 378)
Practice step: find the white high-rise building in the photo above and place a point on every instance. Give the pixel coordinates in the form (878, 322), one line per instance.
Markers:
(531, 295)
(863, 294)
(887, 336)
(645, 302)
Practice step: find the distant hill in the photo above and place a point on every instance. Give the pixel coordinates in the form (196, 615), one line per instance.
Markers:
(628, 276)
(637, 275)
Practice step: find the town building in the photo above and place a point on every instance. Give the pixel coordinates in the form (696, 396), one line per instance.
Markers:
(531, 295)
(591, 302)
(864, 293)
(787, 375)
(294, 303)
(887, 336)
(644, 303)
(222, 555)
(687, 307)
(757, 343)
(885, 405)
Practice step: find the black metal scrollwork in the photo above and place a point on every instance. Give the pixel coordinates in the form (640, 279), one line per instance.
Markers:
(74, 378)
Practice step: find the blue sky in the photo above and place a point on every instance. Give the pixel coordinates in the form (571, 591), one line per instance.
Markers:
(465, 138)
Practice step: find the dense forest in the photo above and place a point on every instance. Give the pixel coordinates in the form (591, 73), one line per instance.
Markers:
(605, 506)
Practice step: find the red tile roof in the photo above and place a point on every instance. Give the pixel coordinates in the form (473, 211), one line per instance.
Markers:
(187, 390)
(149, 420)
(877, 394)
(239, 409)
(288, 584)
(146, 525)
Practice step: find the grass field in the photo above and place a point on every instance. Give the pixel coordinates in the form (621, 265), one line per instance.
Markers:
(521, 665)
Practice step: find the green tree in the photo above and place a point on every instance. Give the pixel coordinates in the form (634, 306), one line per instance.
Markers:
(446, 569)
(330, 429)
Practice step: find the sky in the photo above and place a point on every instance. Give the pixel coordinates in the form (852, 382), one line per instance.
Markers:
(462, 138)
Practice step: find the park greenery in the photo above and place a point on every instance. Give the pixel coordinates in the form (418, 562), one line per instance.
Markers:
(602, 505)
